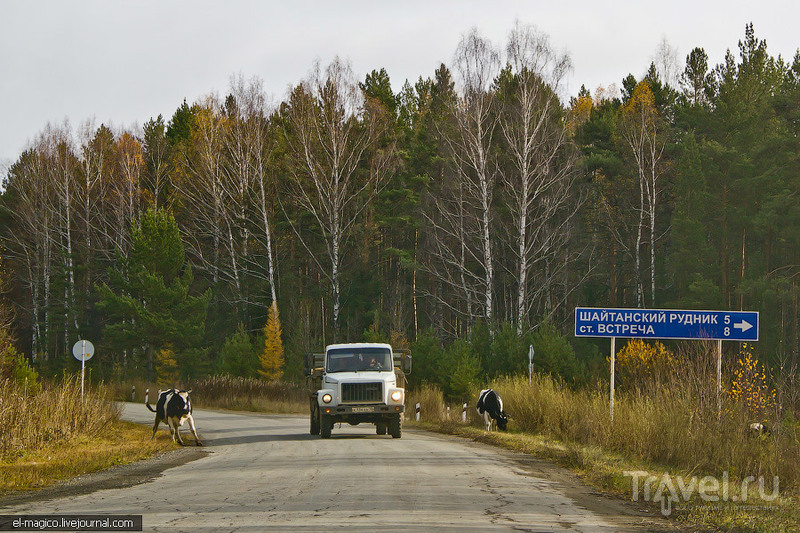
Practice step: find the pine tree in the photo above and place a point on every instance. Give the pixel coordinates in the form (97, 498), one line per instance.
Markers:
(238, 356)
(147, 301)
(271, 358)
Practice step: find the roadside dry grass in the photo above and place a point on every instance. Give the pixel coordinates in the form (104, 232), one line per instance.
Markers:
(122, 443)
(51, 434)
(226, 392)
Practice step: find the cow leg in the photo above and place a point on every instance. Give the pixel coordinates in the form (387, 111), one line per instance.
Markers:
(487, 421)
(194, 430)
(177, 431)
(155, 427)
(173, 430)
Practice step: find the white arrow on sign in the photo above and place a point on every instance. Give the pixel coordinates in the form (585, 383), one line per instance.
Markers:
(744, 325)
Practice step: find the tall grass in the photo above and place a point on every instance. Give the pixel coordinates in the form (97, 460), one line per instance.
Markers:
(227, 392)
(432, 406)
(54, 413)
(669, 425)
(673, 421)
(250, 394)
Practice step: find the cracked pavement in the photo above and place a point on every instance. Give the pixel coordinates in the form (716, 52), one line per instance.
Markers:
(266, 473)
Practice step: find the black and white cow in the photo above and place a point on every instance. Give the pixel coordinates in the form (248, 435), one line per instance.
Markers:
(173, 408)
(490, 405)
(759, 429)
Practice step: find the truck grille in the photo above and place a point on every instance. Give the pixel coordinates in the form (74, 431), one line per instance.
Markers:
(362, 392)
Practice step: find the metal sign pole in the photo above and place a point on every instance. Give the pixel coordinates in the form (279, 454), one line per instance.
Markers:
(83, 365)
(613, 355)
(83, 350)
(719, 378)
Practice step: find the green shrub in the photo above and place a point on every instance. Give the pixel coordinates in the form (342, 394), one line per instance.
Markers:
(428, 355)
(14, 367)
(553, 354)
(464, 371)
(509, 352)
(238, 356)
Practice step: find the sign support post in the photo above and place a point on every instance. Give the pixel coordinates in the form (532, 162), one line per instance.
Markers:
(719, 378)
(613, 356)
(83, 350)
(83, 365)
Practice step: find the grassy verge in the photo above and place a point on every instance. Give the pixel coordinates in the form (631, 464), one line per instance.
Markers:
(49, 433)
(122, 443)
(606, 460)
(607, 472)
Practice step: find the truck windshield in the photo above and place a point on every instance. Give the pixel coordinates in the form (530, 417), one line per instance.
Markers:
(359, 359)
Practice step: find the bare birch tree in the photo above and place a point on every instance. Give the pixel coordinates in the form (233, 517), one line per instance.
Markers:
(249, 148)
(540, 177)
(330, 132)
(475, 167)
(125, 188)
(644, 137)
(57, 144)
(667, 63)
(32, 240)
(200, 189)
(97, 153)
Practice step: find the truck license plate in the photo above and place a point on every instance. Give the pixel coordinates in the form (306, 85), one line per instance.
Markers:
(362, 409)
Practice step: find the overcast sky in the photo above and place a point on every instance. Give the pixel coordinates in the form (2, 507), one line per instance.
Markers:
(123, 62)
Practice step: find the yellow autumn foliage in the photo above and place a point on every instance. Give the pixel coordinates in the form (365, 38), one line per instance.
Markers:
(640, 361)
(580, 111)
(166, 367)
(272, 359)
(750, 384)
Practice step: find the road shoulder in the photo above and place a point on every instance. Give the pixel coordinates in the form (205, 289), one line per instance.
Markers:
(626, 514)
(116, 477)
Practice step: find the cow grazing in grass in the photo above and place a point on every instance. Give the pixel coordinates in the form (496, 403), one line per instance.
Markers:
(759, 429)
(490, 405)
(173, 408)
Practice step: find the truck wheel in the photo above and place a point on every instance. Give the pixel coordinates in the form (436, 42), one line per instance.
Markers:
(380, 427)
(314, 420)
(325, 426)
(396, 427)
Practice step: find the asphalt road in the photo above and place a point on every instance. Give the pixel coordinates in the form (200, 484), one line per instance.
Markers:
(266, 473)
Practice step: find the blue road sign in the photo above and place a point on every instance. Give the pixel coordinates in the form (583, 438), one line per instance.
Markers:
(666, 324)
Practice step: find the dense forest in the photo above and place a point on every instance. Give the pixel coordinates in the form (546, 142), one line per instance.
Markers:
(464, 217)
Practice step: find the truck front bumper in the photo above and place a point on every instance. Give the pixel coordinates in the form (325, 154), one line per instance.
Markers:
(378, 409)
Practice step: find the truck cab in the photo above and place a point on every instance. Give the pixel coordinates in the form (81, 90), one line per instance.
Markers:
(357, 383)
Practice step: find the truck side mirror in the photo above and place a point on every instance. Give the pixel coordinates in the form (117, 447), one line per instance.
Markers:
(313, 361)
(402, 360)
(406, 363)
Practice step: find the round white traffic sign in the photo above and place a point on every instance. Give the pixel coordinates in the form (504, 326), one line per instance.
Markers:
(83, 350)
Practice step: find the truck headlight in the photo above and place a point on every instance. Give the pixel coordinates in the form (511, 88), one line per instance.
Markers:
(396, 396)
(326, 398)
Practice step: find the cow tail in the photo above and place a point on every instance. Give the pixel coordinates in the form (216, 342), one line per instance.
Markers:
(147, 401)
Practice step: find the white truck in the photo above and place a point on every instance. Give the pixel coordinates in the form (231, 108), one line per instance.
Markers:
(357, 383)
